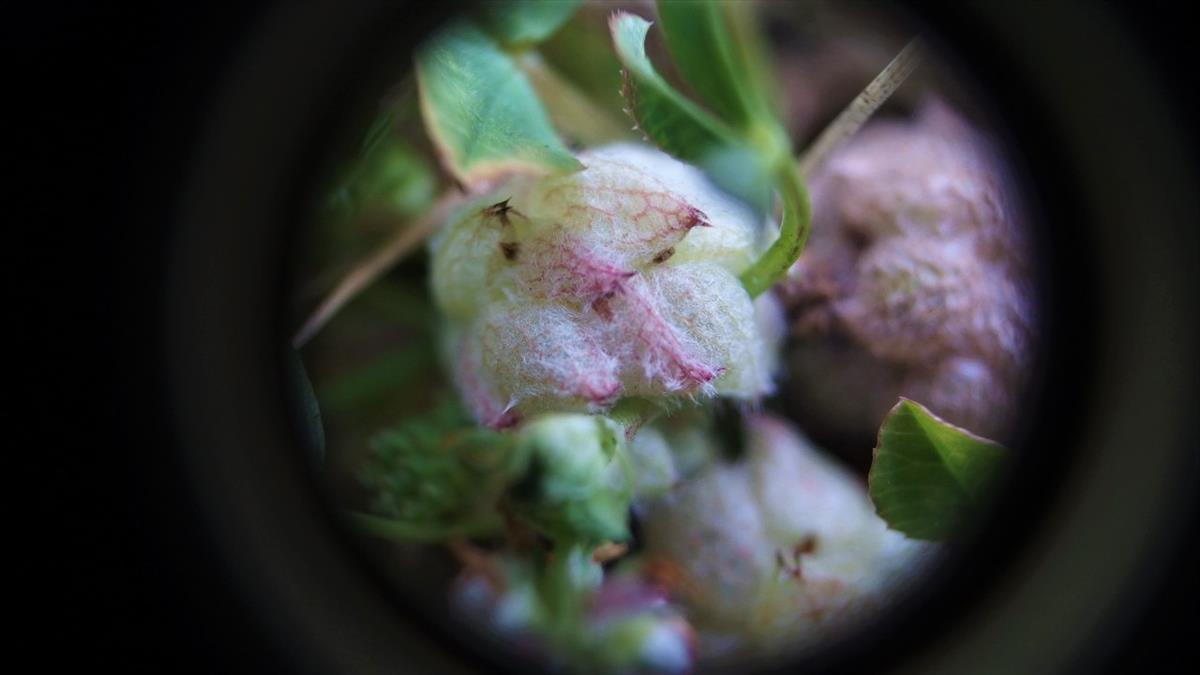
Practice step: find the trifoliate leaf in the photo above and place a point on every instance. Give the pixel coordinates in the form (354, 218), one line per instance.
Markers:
(481, 111)
(518, 23)
(927, 474)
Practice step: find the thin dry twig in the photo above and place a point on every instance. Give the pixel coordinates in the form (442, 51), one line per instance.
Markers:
(374, 266)
(862, 107)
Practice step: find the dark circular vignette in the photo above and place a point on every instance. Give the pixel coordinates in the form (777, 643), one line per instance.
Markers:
(1042, 549)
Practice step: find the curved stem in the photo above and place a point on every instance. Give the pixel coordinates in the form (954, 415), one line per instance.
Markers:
(789, 178)
(793, 233)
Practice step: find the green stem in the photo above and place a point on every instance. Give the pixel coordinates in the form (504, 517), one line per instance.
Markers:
(563, 596)
(797, 211)
(400, 530)
(793, 233)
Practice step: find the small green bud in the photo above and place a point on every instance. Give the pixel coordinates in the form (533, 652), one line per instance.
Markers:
(575, 485)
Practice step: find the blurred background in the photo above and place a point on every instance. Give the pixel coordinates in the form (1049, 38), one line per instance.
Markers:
(113, 116)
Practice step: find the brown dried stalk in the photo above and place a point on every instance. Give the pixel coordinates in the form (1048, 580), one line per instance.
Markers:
(369, 270)
(862, 107)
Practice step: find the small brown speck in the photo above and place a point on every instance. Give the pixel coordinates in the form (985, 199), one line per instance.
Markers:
(510, 249)
(501, 210)
(602, 307)
(664, 255)
(805, 546)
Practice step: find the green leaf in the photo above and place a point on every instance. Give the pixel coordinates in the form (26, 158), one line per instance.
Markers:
(389, 176)
(481, 111)
(520, 23)
(313, 434)
(682, 128)
(927, 474)
(722, 72)
(674, 123)
(438, 472)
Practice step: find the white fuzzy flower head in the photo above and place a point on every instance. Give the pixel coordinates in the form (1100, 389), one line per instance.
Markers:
(570, 292)
(782, 549)
(918, 280)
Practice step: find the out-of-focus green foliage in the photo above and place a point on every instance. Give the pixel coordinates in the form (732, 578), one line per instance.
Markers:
(388, 176)
(378, 357)
(726, 75)
(437, 470)
(522, 23)
(581, 51)
(574, 114)
(928, 475)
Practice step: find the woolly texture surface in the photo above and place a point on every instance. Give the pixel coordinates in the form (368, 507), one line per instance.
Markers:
(569, 292)
(917, 280)
(784, 547)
